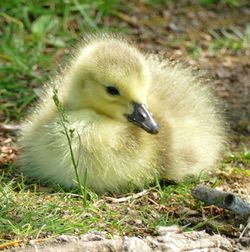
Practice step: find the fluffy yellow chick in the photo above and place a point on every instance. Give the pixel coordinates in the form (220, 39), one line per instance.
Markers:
(136, 118)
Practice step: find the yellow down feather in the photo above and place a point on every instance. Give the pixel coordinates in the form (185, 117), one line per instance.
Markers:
(117, 154)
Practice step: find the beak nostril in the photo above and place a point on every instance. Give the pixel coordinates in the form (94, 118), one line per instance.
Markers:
(142, 115)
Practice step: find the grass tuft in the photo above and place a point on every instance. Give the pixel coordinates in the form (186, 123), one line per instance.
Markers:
(35, 34)
(30, 211)
(69, 134)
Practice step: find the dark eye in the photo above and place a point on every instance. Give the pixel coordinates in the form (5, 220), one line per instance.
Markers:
(112, 90)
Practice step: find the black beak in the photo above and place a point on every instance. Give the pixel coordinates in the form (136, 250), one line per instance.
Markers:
(143, 118)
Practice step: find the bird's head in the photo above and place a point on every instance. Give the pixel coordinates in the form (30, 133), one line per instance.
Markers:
(112, 78)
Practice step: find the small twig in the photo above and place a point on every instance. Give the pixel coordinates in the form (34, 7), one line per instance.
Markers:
(246, 228)
(128, 19)
(41, 240)
(152, 201)
(10, 244)
(69, 194)
(9, 128)
(131, 197)
(222, 199)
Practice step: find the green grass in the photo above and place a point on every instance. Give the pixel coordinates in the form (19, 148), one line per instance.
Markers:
(230, 39)
(33, 36)
(30, 211)
(29, 214)
(231, 3)
(223, 41)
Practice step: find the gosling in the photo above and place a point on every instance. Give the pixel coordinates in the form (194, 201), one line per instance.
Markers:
(135, 118)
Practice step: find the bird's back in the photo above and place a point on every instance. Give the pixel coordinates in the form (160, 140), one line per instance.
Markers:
(192, 134)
